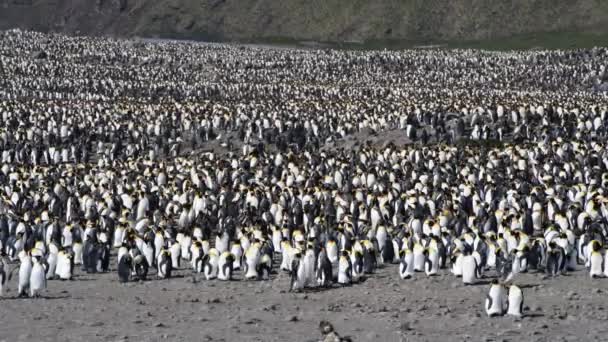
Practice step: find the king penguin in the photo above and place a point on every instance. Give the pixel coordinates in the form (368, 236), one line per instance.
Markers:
(495, 300)
(225, 266)
(516, 301)
(344, 269)
(37, 276)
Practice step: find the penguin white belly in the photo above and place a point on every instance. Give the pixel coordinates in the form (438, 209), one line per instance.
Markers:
(276, 241)
(175, 255)
(148, 253)
(491, 260)
(221, 243)
(224, 270)
(251, 259)
(469, 269)
(37, 280)
(185, 246)
(457, 266)
(516, 301)
(596, 263)
(25, 271)
(238, 254)
(495, 301)
(406, 267)
(77, 248)
(300, 281)
(332, 253)
(285, 260)
(419, 260)
(211, 269)
(121, 251)
(344, 277)
(309, 268)
(63, 270)
(432, 264)
(52, 262)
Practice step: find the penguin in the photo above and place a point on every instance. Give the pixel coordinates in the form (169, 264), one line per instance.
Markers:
(297, 273)
(210, 264)
(125, 265)
(431, 263)
(37, 280)
(237, 253)
(25, 271)
(495, 300)
(165, 265)
(356, 259)
(515, 301)
(252, 258)
(225, 266)
(176, 250)
(470, 269)
(65, 265)
(406, 266)
(51, 260)
(419, 257)
(344, 269)
(555, 260)
(596, 261)
(324, 270)
(265, 267)
(331, 247)
(141, 267)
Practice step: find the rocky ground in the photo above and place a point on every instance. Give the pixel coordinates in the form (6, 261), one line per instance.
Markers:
(382, 308)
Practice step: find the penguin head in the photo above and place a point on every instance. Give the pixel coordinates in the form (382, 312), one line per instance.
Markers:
(595, 246)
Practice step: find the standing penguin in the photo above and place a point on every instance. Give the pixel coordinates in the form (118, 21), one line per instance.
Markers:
(210, 264)
(25, 271)
(324, 270)
(225, 266)
(431, 264)
(298, 273)
(65, 265)
(470, 268)
(344, 269)
(516, 301)
(556, 260)
(125, 268)
(140, 265)
(406, 266)
(37, 276)
(596, 261)
(495, 300)
(164, 264)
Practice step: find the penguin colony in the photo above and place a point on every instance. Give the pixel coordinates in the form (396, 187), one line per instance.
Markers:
(241, 163)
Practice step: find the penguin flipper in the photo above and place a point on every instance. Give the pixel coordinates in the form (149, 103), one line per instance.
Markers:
(489, 302)
(10, 274)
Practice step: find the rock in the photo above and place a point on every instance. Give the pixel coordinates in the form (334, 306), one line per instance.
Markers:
(159, 325)
(356, 305)
(214, 301)
(292, 319)
(405, 327)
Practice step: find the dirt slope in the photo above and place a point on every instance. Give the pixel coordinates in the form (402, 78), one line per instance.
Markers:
(323, 20)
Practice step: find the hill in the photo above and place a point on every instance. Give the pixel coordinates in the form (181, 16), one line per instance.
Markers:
(380, 21)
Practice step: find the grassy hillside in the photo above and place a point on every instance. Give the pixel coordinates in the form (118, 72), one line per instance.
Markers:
(520, 23)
